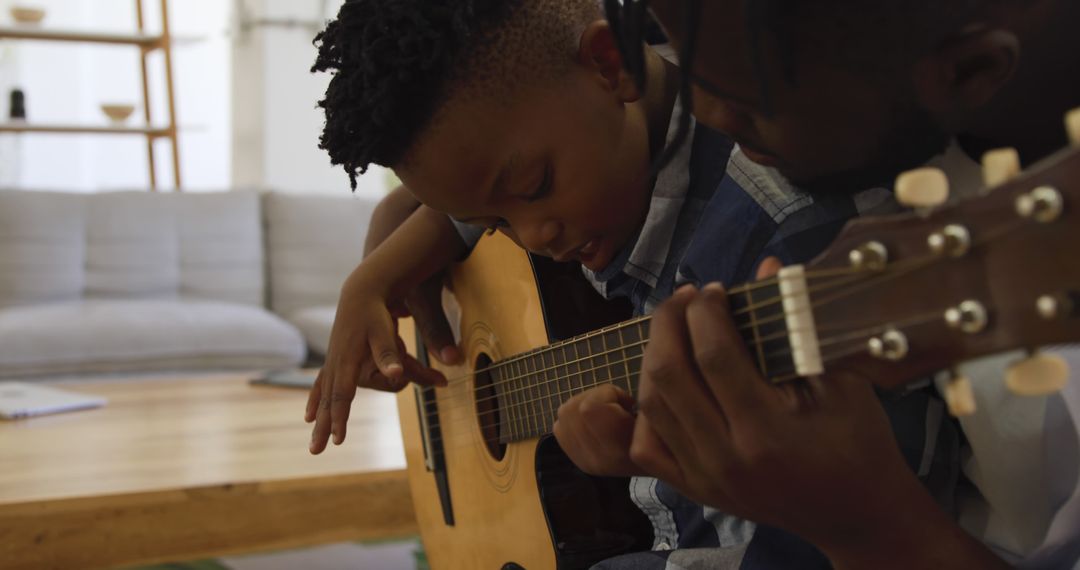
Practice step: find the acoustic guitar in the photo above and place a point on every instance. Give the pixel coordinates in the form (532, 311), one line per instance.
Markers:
(896, 297)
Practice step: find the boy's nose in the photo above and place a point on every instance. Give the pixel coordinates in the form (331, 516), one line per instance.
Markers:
(540, 236)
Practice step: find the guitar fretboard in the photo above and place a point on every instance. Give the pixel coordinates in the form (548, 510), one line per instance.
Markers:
(531, 386)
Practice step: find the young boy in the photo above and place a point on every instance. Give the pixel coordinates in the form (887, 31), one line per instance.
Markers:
(516, 116)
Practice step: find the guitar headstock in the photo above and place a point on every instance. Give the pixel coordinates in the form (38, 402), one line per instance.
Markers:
(906, 295)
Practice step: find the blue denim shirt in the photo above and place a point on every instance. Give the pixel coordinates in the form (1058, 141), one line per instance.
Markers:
(754, 213)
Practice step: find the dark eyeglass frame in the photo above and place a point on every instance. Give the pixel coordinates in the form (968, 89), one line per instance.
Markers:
(627, 19)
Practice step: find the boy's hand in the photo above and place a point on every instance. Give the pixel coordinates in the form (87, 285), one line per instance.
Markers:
(364, 351)
(425, 306)
(594, 429)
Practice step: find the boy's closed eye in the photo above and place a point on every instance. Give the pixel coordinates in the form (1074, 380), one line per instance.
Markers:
(544, 188)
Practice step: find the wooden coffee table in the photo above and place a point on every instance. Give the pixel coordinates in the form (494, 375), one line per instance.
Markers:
(178, 469)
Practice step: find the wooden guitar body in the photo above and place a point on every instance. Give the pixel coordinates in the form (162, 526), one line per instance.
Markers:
(484, 505)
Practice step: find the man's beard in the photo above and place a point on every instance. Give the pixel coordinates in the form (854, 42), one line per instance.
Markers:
(915, 139)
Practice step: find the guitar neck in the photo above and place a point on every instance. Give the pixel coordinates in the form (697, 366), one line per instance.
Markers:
(531, 386)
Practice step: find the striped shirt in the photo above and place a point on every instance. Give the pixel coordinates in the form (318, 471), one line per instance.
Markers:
(752, 214)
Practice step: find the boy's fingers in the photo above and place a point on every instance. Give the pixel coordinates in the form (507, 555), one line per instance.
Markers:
(313, 399)
(320, 433)
(385, 351)
(594, 430)
(341, 397)
(425, 304)
(420, 374)
(371, 377)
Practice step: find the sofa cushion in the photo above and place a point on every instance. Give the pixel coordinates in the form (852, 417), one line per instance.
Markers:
(56, 246)
(42, 247)
(200, 246)
(114, 335)
(221, 247)
(315, 324)
(314, 242)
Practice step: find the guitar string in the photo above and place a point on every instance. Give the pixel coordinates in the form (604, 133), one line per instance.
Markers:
(534, 420)
(990, 235)
(928, 260)
(769, 282)
(572, 343)
(562, 345)
(637, 321)
(583, 384)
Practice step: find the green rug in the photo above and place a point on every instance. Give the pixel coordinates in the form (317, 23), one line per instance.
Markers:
(403, 554)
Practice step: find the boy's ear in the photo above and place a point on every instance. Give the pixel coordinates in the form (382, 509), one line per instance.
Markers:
(966, 71)
(598, 52)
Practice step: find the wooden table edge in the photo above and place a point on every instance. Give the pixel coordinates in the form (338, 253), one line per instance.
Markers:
(149, 527)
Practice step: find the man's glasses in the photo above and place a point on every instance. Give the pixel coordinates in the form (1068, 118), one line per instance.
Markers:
(628, 20)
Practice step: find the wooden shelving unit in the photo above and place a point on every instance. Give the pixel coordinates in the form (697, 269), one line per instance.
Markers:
(29, 33)
(17, 127)
(146, 43)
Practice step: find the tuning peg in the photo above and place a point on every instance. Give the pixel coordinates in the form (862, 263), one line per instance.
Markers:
(999, 166)
(1037, 375)
(922, 188)
(1072, 126)
(959, 396)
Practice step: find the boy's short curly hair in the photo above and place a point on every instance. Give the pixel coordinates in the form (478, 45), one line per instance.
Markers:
(396, 62)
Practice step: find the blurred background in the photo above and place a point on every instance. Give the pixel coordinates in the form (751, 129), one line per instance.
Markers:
(245, 102)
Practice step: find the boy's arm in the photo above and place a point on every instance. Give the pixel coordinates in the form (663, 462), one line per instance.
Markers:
(425, 302)
(364, 349)
(389, 214)
(424, 244)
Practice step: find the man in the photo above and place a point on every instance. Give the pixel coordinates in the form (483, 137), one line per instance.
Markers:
(836, 96)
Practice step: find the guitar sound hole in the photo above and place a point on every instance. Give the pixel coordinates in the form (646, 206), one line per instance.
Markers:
(487, 408)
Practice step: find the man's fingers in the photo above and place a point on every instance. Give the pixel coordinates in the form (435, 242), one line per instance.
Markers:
(721, 355)
(668, 366)
(698, 423)
(649, 453)
(769, 266)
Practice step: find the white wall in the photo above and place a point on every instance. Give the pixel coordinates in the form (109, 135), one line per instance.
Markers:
(245, 99)
(276, 55)
(66, 83)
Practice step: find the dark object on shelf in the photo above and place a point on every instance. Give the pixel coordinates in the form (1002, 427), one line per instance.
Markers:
(18, 105)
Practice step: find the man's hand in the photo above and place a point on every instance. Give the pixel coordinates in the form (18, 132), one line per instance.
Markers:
(816, 457)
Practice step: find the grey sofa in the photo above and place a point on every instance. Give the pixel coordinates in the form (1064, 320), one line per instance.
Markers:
(123, 282)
